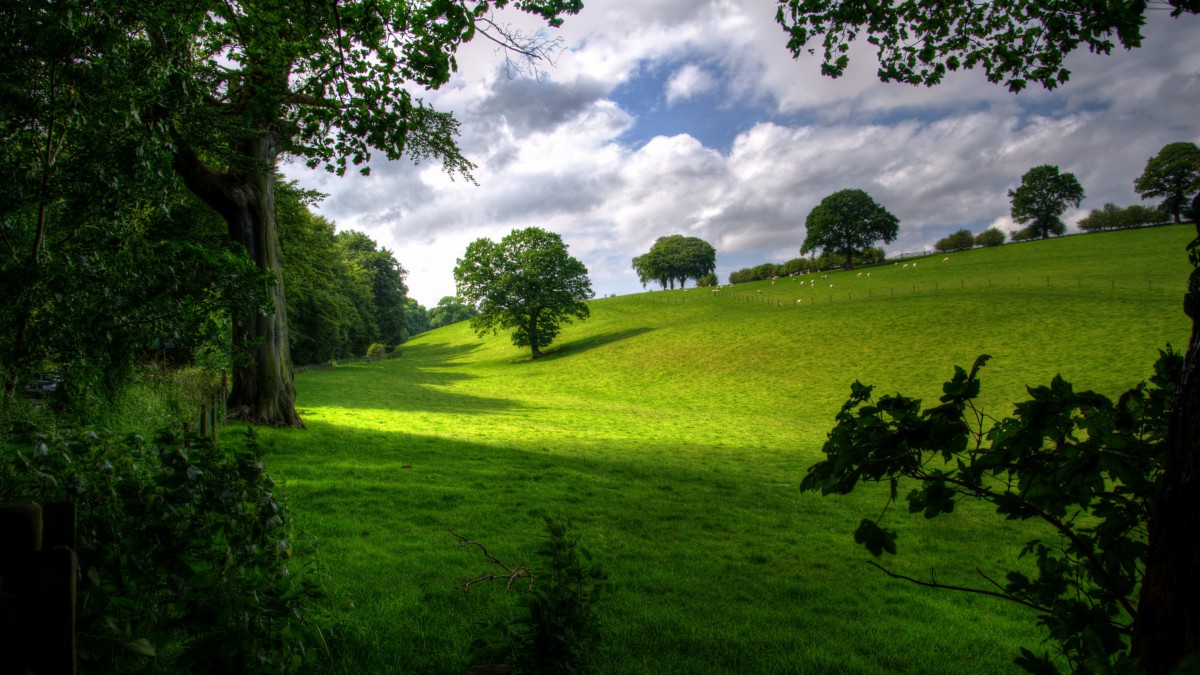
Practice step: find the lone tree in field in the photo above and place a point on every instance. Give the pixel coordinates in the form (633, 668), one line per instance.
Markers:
(527, 282)
(846, 223)
(1174, 175)
(676, 258)
(917, 43)
(1042, 197)
(240, 84)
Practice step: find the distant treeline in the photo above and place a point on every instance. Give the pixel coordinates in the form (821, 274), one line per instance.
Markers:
(870, 256)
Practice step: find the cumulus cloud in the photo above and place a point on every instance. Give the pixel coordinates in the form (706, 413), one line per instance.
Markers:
(690, 80)
(563, 154)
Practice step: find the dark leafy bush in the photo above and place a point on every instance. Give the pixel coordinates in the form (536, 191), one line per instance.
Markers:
(990, 237)
(185, 553)
(709, 279)
(959, 241)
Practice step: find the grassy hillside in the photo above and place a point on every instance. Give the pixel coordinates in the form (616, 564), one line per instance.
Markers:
(674, 429)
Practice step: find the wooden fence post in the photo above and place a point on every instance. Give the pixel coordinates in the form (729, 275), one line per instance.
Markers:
(39, 567)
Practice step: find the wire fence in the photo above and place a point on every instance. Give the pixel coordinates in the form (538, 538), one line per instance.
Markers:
(807, 293)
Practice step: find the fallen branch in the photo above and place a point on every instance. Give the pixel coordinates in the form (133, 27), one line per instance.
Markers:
(511, 573)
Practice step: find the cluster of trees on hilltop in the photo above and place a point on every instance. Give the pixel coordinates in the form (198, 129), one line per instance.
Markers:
(963, 240)
(868, 256)
(676, 259)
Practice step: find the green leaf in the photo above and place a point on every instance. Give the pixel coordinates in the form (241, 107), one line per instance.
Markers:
(141, 646)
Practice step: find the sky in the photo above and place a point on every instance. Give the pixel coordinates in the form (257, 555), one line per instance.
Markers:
(662, 117)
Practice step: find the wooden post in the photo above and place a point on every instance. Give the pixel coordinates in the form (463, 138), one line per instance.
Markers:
(37, 608)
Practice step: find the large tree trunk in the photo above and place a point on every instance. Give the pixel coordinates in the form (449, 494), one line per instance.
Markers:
(1168, 620)
(263, 389)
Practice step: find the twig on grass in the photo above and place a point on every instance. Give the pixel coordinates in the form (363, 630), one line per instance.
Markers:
(511, 573)
(964, 589)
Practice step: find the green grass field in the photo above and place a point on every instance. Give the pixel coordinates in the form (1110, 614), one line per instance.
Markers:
(674, 429)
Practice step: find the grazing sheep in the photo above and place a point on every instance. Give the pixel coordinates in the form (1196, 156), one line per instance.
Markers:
(799, 301)
(914, 264)
(760, 291)
(831, 285)
(905, 265)
(772, 283)
(945, 260)
(868, 275)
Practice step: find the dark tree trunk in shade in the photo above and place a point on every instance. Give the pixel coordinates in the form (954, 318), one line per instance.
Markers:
(1168, 620)
(263, 389)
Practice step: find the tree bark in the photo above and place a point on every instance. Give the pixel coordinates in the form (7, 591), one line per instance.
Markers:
(1167, 628)
(263, 388)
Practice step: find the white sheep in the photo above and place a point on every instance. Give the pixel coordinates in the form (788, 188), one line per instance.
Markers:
(759, 291)
(859, 274)
(905, 265)
(914, 264)
(868, 275)
(945, 260)
(799, 301)
(831, 285)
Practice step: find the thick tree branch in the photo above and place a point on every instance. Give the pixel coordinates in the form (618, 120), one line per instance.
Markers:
(203, 181)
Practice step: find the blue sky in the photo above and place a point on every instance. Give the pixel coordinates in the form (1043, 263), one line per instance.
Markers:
(690, 117)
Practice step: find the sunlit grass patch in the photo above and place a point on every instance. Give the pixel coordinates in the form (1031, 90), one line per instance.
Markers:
(674, 429)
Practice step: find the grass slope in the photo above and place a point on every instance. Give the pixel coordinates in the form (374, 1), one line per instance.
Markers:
(674, 429)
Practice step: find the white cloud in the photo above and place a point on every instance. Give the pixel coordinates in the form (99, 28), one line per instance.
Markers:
(563, 155)
(687, 82)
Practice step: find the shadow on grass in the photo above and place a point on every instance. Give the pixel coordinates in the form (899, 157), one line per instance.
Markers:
(592, 342)
(415, 382)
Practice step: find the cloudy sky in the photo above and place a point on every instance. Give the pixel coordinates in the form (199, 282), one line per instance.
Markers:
(690, 117)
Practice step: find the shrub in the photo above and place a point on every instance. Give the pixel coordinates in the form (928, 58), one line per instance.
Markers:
(959, 241)
(990, 237)
(184, 553)
(560, 629)
(376, 350)
(869, 256)
(709, 279)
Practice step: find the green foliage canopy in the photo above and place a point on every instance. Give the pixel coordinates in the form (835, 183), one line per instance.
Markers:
(527, 282)
(847, 222)
(1015, 42)
(676, 258)
(1174, 175)
(1042, 197)
(959, 241)
(1113, 217)
(450, 310)
(1063, 454)
(990, 237)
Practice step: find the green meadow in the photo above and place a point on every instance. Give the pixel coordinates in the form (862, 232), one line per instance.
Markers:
(674, 429)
